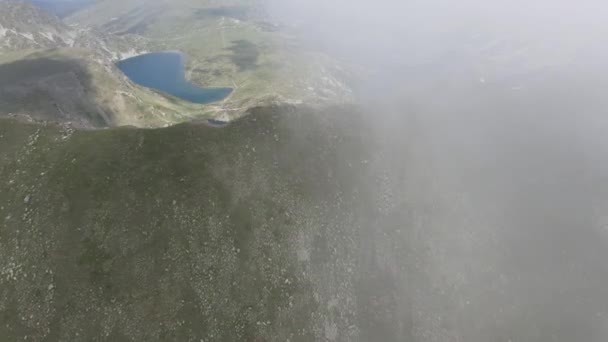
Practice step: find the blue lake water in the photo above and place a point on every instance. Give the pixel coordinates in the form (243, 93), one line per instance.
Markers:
(164, 71)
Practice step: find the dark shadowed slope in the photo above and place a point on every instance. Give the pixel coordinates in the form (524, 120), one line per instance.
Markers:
(53, 88)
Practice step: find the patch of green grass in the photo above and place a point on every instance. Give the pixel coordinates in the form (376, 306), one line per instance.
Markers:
(245, 54)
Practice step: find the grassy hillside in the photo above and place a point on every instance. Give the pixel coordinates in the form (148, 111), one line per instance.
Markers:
(187, 233)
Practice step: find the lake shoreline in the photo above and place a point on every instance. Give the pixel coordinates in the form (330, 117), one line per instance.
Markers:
(165, 72)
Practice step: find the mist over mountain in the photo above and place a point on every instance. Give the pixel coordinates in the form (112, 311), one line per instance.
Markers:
(380, 171)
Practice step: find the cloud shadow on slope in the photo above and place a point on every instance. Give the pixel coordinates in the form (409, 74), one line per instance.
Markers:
(52, 89)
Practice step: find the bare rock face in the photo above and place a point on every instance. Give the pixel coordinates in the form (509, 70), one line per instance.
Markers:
(24, 26)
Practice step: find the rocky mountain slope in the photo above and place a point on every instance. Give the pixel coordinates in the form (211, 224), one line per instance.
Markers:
(24, 26)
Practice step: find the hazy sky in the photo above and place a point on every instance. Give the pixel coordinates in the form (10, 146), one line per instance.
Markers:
(385, 27)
